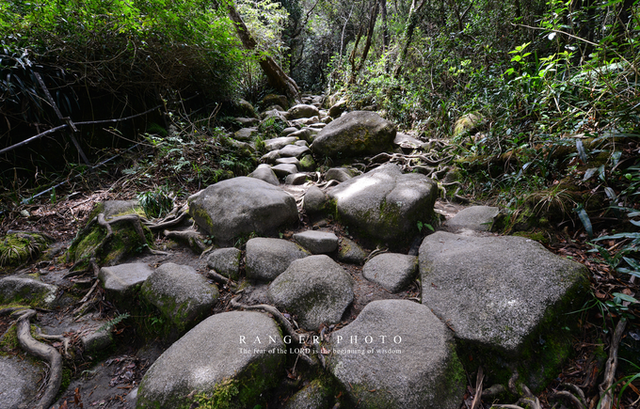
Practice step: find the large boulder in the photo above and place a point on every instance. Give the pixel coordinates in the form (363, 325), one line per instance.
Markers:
(242, 205)
(183, 296)
(357, 133)
(386, 204)
(506, 298)
(19, 382)
(267, 258)
(239, 354)
(397, 354)
(302, 111)
(314, 288)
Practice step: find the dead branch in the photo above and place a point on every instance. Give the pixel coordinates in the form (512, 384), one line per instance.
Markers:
(43, 351)
(479, 381)
(606, 387)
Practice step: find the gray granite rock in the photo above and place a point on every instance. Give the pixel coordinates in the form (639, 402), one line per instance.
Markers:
(350, 252)
(315, 395)
(317, 242)
(339, 174)
(357, 133)
(474, 218)
(507, 296)
(241, 205)
(181, 295)
(302, 111)
(288, 130)
(245, 134)
(314, 200)
(265, 173)
(279, 143)
(385, 203)
(392, 271)
(406, 141)
(306, 133)
(284, 170)
(293, 151)
(266, 258)
(270, 157)
(19, 382)
(124, 278)
(397, 354)
(296, 179)
(316, 289)
(226, 261)
(234, 348)
(288, 161)
(26, 290)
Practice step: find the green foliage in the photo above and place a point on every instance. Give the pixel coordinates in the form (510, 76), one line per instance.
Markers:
(222, 396)
(156, 203)
(109, 325)
(181, 45)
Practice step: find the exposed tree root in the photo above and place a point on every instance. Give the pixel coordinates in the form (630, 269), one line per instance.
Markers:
(43, 351)
(212, 274)
(288, 328)
(192, 237)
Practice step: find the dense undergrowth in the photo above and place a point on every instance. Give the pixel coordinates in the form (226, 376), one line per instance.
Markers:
(538, 102)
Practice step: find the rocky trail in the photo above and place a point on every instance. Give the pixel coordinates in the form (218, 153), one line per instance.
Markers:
(353, 287)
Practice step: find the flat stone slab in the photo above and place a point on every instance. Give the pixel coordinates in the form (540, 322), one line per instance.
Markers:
(265, 173)
(19, 382)
(474, 218)
(392, 271)
(316, 289)
(267, 258)
(284, 170)
(397, 354)
(317, 242)
(294, 151)
(279, 143)
(181, 294)
(124, 278)
(239, 348)
(385, 203)
(241, 205)
(496, 291)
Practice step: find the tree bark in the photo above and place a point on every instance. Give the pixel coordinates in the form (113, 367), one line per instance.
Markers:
(412, 22)
(367, 44)
(275, 74)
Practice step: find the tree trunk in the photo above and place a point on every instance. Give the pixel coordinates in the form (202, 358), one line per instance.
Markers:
(367, 44)
(275, 74)
(412, 22)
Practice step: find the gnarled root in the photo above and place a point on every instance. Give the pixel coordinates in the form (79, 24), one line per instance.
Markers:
(43, 351)
(288, 328)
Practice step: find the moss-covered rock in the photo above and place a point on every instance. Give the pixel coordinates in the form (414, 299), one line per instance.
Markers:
(19, 247)
(230, 360)
(126, 240)
(397, 354)
(508, 299)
